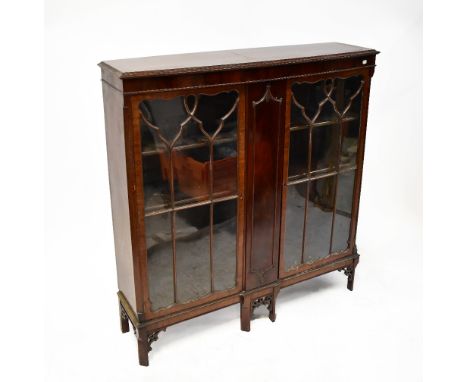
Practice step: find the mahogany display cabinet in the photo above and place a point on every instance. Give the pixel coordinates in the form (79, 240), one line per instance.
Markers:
(233, 174)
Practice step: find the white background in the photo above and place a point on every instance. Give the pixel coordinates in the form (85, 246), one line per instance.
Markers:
(323, 332)
(322, 329)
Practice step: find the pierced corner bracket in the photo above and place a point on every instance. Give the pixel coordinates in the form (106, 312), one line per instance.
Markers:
(154, 336)
(348, 271)
(266, 300)
(269, 302)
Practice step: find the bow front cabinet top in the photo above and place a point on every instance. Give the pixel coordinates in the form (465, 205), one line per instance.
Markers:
(233, 174)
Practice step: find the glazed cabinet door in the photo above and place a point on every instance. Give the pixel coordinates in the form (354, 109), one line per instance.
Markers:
(191, 188)
(324, 138)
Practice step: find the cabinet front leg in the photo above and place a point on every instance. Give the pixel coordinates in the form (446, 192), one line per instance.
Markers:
(143, 349)
(145, 339)
(246, 312)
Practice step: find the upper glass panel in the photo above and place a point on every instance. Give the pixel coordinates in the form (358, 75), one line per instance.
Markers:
(325, 120)
(179, 136)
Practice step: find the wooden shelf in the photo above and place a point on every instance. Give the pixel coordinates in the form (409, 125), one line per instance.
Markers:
(318, 174)
(324, 123)
(182, 204)
(222, 138)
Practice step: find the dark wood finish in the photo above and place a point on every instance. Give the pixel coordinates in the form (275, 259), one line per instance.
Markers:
(233, 59)
(263, 78)
(266, 112)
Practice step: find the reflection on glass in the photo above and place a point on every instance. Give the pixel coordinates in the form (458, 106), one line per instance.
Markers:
(309, 96)
(344, 202)
(324, 149)
(189, 155)
(325, 143)
(298, 146)
(224, 244)
(294, 227)
(319, 219)
(211, 109)
(350, 142)
(159, 249)
(193, 253)
(167, 115)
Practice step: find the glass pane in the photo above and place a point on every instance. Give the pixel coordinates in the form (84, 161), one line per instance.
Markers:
(156, 182)
(309, 96)
(319, 219)
(294, 225)
(159, 250)
(344, 202)
(351, 87)
(167, 115)
(224, 244)
(211, 108)
(350, 142)
(325, 143)
(312, 107)
(298, 147)
(193, 253)
(346, 89)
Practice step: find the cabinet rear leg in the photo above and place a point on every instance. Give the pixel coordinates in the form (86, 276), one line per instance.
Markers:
(124, 326)
(143, 349)
(246, 313)
(351, 272)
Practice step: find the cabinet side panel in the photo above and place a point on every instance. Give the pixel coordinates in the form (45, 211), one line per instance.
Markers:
(114, 117)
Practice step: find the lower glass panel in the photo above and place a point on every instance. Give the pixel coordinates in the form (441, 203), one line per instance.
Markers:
(159, 252)
(224, 244)
(344, 202)
(192, 238)
(306, 245)
(294, 227)
(193, 253)
(319, 219)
